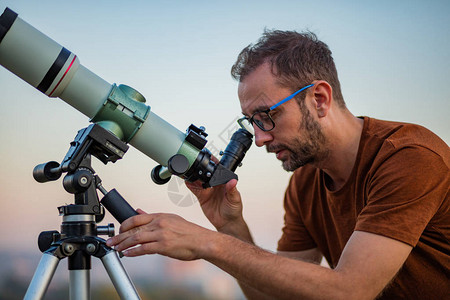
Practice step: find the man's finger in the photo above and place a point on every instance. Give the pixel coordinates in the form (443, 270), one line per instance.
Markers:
(136, 221)
(232, 192)
(194, 186)
(140, 211)
(138, 237)
(116, 239)
(148, 248)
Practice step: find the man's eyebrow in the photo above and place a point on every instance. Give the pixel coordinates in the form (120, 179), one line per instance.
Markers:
(260, 108)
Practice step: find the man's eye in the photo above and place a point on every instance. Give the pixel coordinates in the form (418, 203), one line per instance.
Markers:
(272, 113)
(263, 116)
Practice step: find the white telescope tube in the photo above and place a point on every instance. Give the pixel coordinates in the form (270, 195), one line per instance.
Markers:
(57, 72)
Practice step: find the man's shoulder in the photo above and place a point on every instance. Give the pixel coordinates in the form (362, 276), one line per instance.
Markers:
(394, 136)
(398, 132)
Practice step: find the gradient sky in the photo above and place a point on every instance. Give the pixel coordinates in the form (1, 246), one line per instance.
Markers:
(393, 60)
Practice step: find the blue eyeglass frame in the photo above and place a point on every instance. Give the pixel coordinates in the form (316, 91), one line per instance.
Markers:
(289, 97)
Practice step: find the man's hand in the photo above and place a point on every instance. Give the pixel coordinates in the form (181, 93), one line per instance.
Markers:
(222, 205)
(164, 234)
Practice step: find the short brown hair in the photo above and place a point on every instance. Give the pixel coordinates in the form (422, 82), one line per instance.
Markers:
(296, 58)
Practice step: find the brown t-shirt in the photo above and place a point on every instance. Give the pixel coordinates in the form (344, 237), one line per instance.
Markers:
(398, 188)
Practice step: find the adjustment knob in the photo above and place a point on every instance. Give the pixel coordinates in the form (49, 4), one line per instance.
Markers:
(178, 164)
(77, 182)
(46, 239)
(49, 171)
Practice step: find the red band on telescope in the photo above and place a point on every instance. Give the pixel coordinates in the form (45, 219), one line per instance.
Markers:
(63, 76)
(54, 70)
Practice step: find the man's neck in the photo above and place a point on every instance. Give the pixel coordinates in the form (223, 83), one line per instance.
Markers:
(344, 134)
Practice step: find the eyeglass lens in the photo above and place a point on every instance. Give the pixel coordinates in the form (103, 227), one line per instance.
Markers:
(263, 120)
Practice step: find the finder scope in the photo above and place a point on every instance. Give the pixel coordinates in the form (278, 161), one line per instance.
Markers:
(57, 72)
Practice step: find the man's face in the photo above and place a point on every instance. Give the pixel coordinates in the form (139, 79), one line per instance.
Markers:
(297, 138)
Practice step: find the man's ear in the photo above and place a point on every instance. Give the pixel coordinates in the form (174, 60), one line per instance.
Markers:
(323, 95)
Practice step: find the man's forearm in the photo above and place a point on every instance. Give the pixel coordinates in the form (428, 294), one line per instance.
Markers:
(263, 273)
(367, 264)
(253, 294)
(239, 230)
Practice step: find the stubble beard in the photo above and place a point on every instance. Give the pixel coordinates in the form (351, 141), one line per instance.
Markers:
(309, 149)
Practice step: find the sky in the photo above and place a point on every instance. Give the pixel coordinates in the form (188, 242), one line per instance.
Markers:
(393, 60)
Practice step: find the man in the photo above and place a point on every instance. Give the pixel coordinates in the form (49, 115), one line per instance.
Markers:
(370, 196)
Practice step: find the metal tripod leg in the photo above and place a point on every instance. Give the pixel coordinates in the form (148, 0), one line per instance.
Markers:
(119, 277)
(42, 277)
(79, 288)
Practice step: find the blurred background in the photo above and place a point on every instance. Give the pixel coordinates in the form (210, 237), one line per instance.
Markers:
(393, 59)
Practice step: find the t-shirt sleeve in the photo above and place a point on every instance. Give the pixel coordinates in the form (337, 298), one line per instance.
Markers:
(404, 193)
(295, 236)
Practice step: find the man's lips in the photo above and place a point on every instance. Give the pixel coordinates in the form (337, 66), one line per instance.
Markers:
(279, 153)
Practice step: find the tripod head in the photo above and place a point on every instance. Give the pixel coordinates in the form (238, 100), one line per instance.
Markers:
(81, 179)
(78, 239)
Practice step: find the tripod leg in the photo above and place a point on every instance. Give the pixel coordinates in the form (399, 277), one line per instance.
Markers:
(119, 276)
(79, 284)
(42, 277)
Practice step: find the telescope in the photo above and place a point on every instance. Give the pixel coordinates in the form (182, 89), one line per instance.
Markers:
(119, 116)
(120, 109)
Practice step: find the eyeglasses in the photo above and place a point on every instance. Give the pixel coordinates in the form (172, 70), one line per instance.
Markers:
(263, 120)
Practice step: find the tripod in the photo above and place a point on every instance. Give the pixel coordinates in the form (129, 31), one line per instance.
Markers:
(78, 239)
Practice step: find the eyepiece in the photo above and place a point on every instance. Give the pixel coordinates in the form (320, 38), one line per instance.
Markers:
(239, 143)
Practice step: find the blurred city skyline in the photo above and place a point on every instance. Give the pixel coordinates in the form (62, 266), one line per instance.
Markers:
(393, 61)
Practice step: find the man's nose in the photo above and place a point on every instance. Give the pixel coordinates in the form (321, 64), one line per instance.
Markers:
(262, 137)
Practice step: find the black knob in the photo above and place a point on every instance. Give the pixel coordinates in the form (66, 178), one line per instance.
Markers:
(49, 171)
(46, 239)
(77, 182)
(178, 164)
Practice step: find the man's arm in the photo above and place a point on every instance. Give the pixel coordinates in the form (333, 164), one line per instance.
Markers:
(227, 204)
(311, 255)
(367, 264)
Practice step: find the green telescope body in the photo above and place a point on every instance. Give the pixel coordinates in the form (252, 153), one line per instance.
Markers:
(57, 72)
